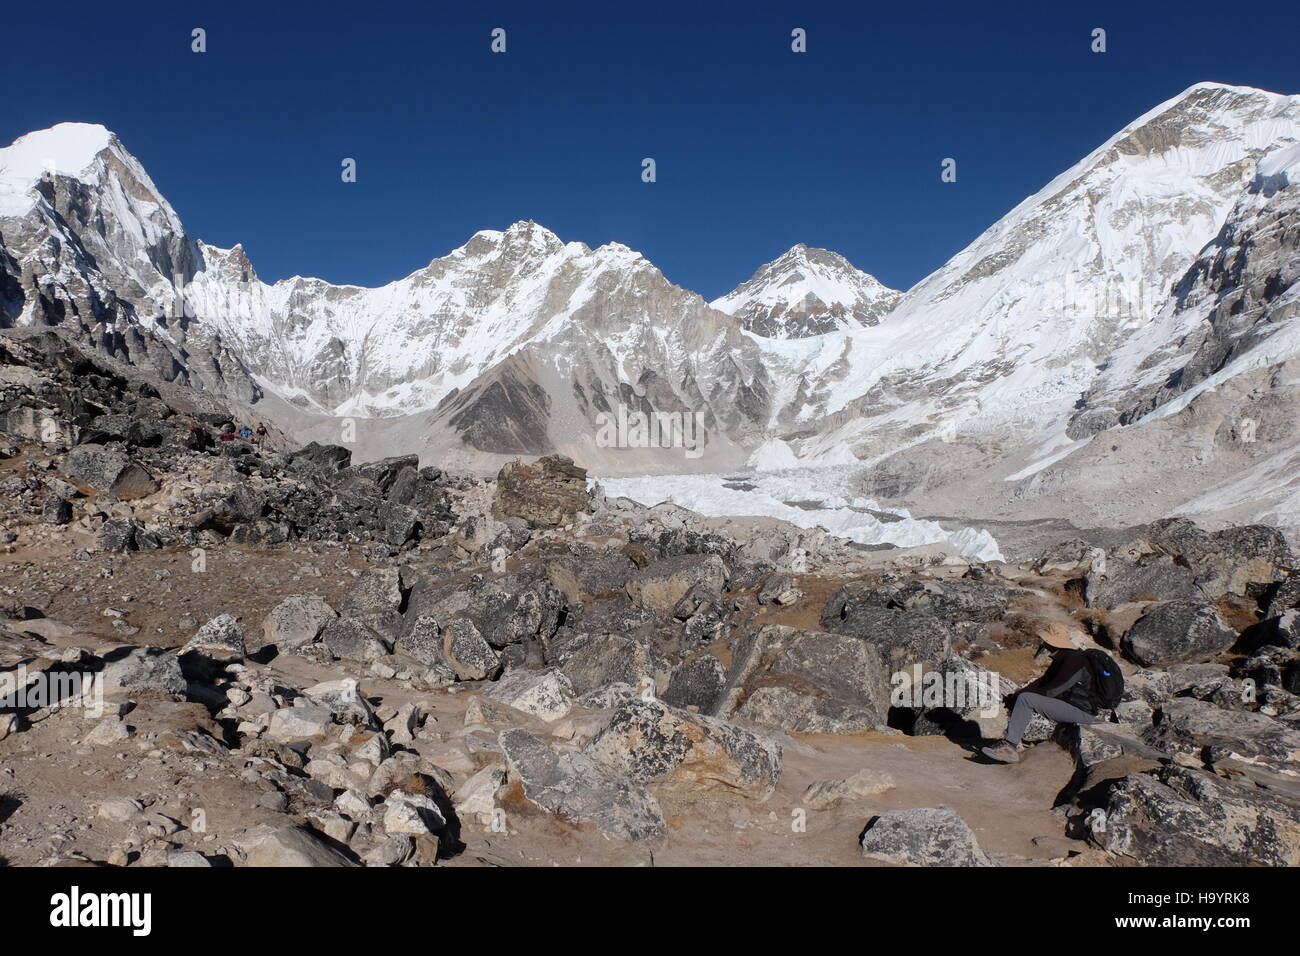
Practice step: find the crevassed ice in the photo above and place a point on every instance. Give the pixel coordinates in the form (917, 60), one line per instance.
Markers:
(772, 494)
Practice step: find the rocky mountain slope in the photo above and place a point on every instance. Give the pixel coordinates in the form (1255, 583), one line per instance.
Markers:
(216, 653)
(808, 292)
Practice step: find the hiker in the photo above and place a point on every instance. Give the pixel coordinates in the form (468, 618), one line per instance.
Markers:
(246, 433)
(228, 432)
(199, 439)
(1076, 688)
(261, 434)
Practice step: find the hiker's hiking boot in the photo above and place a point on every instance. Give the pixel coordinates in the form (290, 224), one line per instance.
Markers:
(1003, 752)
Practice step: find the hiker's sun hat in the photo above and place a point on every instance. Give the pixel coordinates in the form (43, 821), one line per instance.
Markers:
(1056, 635)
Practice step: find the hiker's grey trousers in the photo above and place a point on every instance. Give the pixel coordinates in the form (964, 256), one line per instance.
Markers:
(1058, 710)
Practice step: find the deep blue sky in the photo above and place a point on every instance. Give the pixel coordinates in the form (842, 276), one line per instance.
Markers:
(757, 147)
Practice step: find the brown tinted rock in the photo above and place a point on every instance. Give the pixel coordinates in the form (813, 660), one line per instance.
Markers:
(546, 493)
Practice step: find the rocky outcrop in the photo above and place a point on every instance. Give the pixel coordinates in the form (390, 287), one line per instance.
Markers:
(546, 493)
(1178, 816)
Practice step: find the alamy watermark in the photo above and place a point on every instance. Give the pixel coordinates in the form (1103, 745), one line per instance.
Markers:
(21, 690)
(954, 690)
(628, 429)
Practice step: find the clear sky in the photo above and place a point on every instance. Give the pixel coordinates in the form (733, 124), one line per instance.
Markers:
(757, 147)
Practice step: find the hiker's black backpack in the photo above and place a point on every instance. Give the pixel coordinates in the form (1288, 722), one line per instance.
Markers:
(1107, 682)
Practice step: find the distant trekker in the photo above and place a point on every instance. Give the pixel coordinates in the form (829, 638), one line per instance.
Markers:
(1077, 687)
(199, 439)
(261, 434)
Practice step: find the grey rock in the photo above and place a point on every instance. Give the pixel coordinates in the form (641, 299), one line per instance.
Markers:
(1178, 816)
(108, 469)
(649, 741)
(665, 582)
(1193, 726)
(903, 637)
(296, 621)
(219, 641)
(579, 789)
(293, 846)
(924, 836)
(1149, 578)
(807, 682)
(697, 682)
(466, 651)
(604, 659)
(56, 510)
(547, 694)
(143, 670)
(1178, 631)
(351, 639)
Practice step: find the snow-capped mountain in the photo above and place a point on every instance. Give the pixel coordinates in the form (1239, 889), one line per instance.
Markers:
(1012, 332)
(517, 342)
(1128, 294)
(808, 292)
(89, 244)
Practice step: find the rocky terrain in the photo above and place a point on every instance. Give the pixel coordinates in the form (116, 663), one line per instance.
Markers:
(233, 653)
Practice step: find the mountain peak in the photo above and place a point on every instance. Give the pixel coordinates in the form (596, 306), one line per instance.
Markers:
(808, 291)
(68, 149)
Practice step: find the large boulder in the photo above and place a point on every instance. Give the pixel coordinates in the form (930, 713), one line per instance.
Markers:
(1199, 727)
(376, 600)
(217, 643)
(807, 682)
(324, 458)
(1223, 562)
(579, 789)
(1121, 579)
(924, 836)
(598, 660)
(516, 608)
(349, 639)
(958, 698)
(546, 493)
(547, 694)
(467, 652)
(664, 583)
(649, 741)
(903, 637)
(506, 610)
(142, 671)
(598, 575)
(108, 469)
(1178, 816)
(697, 682)
(296, 621)
(1172, 559)
(1177, 632)
(293, 846)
